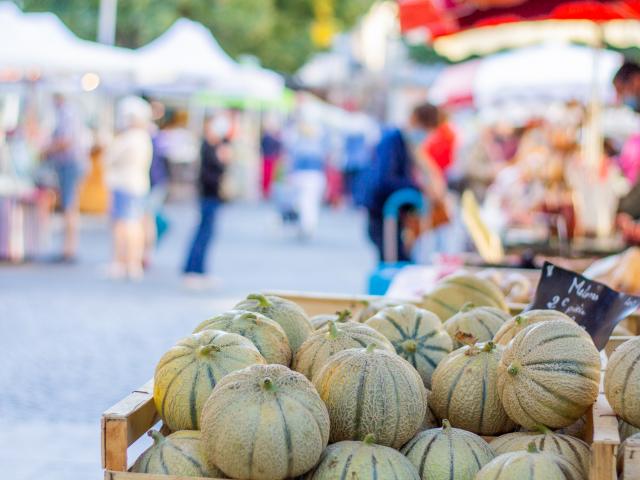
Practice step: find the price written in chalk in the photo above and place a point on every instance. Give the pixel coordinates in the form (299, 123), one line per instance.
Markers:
(591, 304)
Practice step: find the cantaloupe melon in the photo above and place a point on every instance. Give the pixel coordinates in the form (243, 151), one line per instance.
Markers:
(187, 373)
(447, 452)
(626, 430)
(481, 322)
(529, 465)
(287, 314)
(372, 391)
(314, 353)
(452, 293)
(264, 422)
(572, 449)
(549, 374)
(268, 337)
(353, 460)
(521, 321)
(374, 306)
(622, 452)
(622, 381)
(320, 321)
(417, 335)
(464, 390)
(179, 454)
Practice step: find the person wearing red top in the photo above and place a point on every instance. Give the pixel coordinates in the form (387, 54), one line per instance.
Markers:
(440, 146)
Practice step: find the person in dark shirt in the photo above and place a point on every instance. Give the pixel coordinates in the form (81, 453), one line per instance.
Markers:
(214, 155)
(392, 169)
(271, 149)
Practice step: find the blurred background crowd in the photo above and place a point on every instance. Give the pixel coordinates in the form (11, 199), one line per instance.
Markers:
(544, 139)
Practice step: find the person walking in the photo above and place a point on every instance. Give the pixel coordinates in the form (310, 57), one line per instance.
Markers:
(215, 154)
(271, 149)
(395, 166)
(127, 165)
(64, 154)
(307, 151)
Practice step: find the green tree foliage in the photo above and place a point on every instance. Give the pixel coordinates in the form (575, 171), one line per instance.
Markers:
(276, 31)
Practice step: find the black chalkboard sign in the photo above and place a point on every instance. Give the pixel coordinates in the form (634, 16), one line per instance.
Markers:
(591, 304)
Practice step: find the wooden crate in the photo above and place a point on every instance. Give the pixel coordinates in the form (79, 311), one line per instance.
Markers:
(132, 417)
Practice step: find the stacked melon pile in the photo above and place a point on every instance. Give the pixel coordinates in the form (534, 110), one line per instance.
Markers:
(622, 388)
(259, 393)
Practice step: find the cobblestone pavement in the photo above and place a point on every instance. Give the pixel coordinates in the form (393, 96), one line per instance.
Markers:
(74, 342)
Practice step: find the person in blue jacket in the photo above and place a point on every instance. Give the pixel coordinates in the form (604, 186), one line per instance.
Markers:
(393, 168)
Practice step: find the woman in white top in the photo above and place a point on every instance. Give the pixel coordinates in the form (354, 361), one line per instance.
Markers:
(127, 166)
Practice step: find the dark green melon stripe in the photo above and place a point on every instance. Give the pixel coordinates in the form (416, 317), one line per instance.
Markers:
(166, 392)
(483, 403)
(472, 448)
(146, 465)
(502, 465)
(360, 342)
(571, 447)
(252, 439)
(567, 472)
(345, 469)
(412, 443)
(416, 326)
(627, 375)
(570, 371)
(305, 407)
(193, 411)
(495, 315)
(546, 341)
(173, 359)
(393, 469)
(442, 304)
(374, 467)
(395, 325)
(312, 364)
(556, 443)
(524, 411)
(426, 336)
(434, 348)
(455, 384)
(193, 461)
(558, 362)
(427, 359)
(542, 442)
(425, 454)
(396, 409)
(556, 395)
(359, 400)
(165, 470)
(452, 463)
(484, 325)
(412, 359)
(287, 437)
(211, 376)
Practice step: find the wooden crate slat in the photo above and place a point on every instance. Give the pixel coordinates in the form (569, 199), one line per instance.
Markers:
(126, 422)
(111, 475)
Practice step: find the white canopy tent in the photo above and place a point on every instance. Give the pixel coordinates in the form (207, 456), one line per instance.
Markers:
(188, 52)
(548, 72)
(41, 42)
